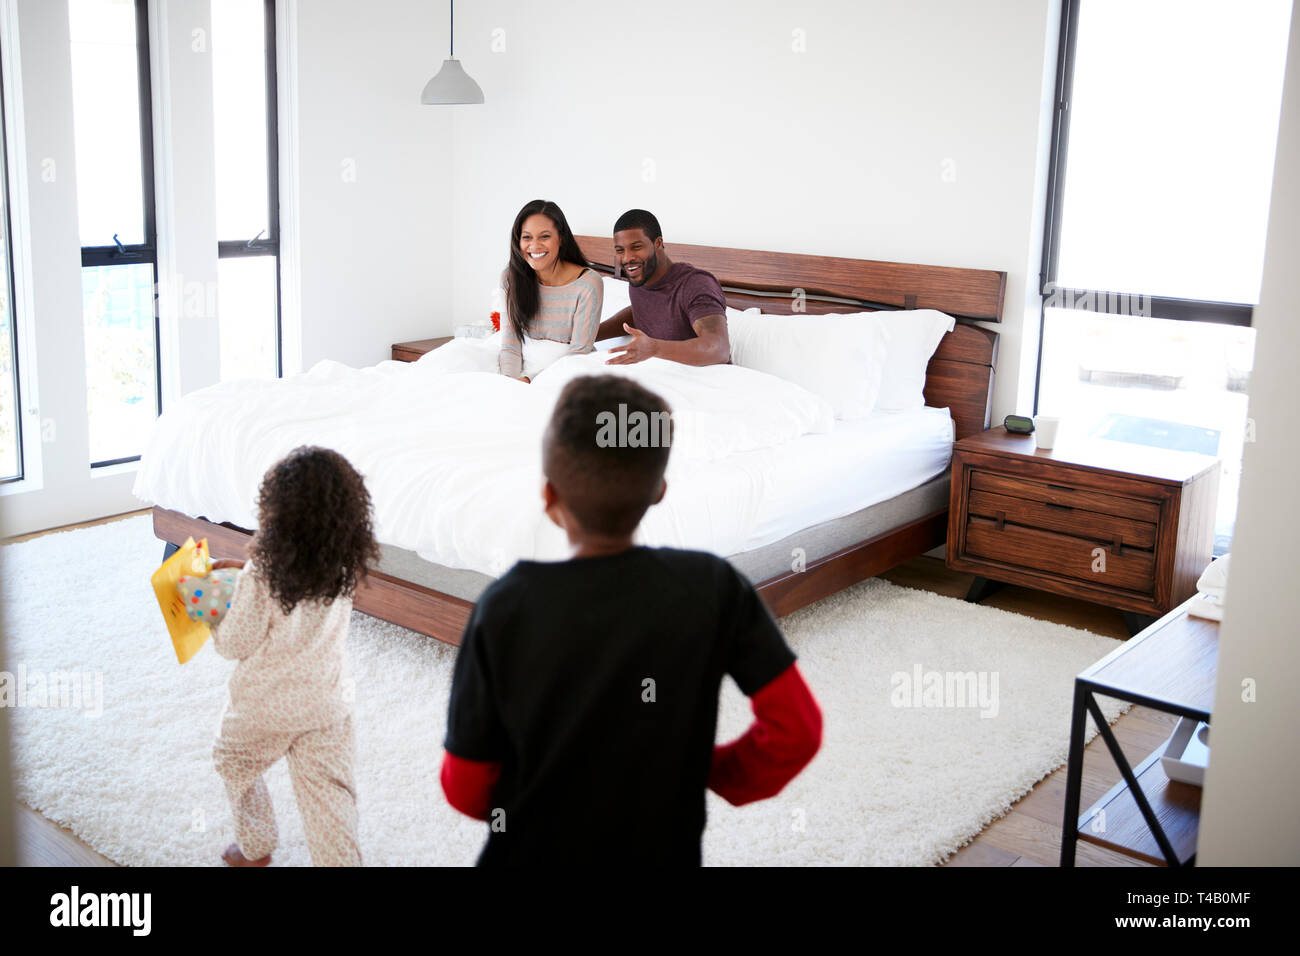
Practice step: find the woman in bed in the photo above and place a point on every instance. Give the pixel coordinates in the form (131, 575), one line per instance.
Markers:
(550, 293)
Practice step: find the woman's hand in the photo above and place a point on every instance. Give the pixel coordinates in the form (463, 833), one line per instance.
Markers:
(227, 563)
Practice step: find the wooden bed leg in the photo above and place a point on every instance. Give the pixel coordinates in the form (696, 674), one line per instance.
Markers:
(404, 603)
(1136, 623)
(981, 588)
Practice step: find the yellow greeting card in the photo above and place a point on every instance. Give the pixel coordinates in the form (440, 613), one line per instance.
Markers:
(187, 635)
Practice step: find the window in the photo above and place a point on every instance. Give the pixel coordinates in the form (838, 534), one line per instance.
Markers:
(1162, 165)
(11, 434)
(115, 204)
(248, 221)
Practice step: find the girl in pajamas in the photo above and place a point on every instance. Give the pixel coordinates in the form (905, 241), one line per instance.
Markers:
(286, 625)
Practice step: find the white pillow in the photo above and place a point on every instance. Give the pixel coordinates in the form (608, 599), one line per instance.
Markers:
(838, 357)
(911, 336)
(616, 296)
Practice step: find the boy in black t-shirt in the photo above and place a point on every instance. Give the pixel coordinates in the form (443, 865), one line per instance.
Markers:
(584, 704)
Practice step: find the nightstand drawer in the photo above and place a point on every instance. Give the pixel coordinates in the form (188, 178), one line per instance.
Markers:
(1066, 519)
(1139, 508)
(1129, 569)
(1123, 525)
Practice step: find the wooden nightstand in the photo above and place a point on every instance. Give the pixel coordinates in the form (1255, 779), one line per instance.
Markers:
(410, 351)
(1127, 526)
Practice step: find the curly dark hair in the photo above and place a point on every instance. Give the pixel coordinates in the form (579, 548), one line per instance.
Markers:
(314, 536)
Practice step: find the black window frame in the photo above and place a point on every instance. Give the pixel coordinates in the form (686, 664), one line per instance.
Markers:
(10, 304)
(121, 254)
(268, 245)
(1109, 302)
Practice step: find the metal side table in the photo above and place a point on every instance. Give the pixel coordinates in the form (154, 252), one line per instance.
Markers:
(1170, 666)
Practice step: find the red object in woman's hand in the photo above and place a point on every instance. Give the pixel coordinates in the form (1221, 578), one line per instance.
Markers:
(496, 321)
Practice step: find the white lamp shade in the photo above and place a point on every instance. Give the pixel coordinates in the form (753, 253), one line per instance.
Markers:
(451, 85)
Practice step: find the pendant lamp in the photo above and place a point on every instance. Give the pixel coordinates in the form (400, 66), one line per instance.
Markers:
(451, 84)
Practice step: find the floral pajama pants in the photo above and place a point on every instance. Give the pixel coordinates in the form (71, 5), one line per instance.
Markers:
(320, 766)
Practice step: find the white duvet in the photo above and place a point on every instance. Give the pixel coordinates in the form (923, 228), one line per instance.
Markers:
(451, 455)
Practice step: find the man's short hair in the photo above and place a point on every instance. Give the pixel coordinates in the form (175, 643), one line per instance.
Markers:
(605, 451)
(639, 219)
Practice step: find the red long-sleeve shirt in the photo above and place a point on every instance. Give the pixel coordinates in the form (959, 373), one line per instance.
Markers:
(785, 734)
(784, 737)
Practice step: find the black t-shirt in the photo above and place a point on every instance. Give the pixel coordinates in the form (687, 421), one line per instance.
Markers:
(595, 682)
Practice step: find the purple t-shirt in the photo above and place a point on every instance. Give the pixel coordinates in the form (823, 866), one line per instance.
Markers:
(684, 295)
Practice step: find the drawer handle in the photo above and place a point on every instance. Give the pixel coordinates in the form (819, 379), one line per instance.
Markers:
(1053, 504)
(1060, 488)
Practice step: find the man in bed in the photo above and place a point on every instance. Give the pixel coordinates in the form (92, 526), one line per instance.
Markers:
(678, 312)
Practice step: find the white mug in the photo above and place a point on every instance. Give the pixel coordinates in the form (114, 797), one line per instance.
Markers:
(1045, 430)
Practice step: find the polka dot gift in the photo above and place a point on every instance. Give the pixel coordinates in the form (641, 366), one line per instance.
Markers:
(207, 596)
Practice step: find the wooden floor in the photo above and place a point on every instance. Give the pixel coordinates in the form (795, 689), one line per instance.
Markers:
(1029, 835)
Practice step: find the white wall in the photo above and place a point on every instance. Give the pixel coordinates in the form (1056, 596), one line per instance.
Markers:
(403, 211)
(839, 150)
(374, 178)
(185, 186)
(1248, 811)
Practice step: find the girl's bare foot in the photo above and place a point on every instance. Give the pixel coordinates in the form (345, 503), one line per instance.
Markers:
(235, 857)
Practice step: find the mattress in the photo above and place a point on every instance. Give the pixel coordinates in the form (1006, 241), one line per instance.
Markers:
(759, 564)
(822, 493)
(817, 478)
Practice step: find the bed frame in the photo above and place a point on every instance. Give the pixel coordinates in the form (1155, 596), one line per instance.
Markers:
(959, 377)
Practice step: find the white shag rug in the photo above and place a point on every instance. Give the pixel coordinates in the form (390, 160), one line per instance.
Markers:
(892, 785)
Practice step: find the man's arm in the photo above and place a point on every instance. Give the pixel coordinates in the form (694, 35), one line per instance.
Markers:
(709, 347)
(468, 784)
(785, 735)
(613, 326)
(787, 728)
(476, 735)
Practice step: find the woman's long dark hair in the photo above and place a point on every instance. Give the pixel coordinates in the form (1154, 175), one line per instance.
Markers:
(522, 295)
(315, 535)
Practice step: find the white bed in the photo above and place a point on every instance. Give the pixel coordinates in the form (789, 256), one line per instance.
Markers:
(818, 478)
(760, 473)
(452, 459)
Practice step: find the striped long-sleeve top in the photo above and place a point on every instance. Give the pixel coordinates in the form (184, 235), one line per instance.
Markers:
(565, 313)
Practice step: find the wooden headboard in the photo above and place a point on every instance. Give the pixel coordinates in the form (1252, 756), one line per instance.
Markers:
(959, 376)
